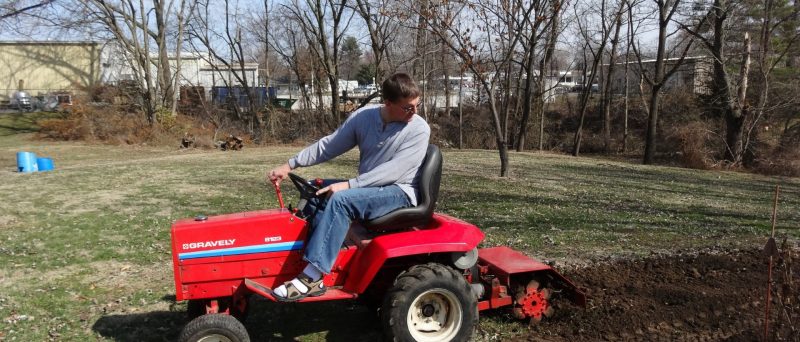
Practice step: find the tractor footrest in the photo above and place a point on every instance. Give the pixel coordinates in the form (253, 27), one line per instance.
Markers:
(330, 294)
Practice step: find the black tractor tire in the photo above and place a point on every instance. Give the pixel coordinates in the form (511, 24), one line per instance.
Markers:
(430, 302)
(214, 327)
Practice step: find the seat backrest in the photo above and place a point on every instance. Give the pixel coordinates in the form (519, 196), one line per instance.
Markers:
(420, 215)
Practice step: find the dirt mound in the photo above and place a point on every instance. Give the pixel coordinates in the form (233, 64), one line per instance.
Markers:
(706, 296)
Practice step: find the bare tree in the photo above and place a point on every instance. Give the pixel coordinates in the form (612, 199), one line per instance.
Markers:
(775, 17)
(628, 40)
(729, 100)
(423, 8)
(291, 46)
(422, 65)
(607, 97)
(660, 73)
(545, 26)
(129, 24)
(324, 25)
(485, 38)
(446, 61)
(223, 48)
(594, 44)
(382, 29)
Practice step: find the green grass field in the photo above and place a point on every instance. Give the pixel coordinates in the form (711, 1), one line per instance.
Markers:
(85, 250)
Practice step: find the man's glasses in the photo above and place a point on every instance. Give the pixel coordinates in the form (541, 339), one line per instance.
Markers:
(409, 109)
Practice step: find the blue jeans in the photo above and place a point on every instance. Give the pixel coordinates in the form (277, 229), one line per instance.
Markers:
(332, 218)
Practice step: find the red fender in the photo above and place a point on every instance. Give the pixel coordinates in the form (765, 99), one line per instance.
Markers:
(443, 234)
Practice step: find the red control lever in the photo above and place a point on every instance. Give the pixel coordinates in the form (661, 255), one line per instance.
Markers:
(278, 191)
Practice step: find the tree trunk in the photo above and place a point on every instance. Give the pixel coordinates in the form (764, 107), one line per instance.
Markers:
(527, 95)
(425, 82)
(734, 126)
(540, 111)
(419, 45)
(652, 124)
(164, 70)
(660, 76)
(335, 98)
(502, 147)
(607, 94)
(178, 48)
(627, 68)
(537, 90)
(736, 115)
(460, 112)
(506, 103)
(597, 57)
(446, 81)
(576, 147)
(503, 150)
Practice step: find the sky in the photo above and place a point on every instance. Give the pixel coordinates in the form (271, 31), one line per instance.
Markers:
(27, 26)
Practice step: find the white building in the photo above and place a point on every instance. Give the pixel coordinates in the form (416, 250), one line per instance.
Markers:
(196, 70)
(694, 75)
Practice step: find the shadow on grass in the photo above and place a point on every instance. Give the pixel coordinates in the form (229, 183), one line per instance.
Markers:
(267, 321)
(149, 326)
(329, 321)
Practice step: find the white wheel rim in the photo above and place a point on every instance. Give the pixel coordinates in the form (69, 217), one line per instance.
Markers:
(214, 338)
(435, 315)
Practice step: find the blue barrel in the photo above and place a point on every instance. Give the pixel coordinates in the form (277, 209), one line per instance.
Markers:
(26, 162)
(44, 164)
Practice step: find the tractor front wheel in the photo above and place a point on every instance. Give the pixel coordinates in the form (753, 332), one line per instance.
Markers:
(214, 328)
(427, 303)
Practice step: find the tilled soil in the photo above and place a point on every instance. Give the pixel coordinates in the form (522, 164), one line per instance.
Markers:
(705, 296)
(709, 295)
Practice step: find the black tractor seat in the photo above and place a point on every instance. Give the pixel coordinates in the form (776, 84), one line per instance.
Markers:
(419, 216)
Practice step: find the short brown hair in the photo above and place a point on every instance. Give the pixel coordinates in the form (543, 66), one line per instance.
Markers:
(399, 86)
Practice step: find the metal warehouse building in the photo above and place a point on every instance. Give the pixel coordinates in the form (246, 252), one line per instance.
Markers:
(46, 67)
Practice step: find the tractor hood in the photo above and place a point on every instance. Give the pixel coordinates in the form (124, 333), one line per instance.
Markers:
(237, 235)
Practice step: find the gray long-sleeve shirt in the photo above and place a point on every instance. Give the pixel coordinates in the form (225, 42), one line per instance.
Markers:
(389, 153)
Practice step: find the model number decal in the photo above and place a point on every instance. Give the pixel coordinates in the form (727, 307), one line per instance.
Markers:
(204, 244)
(272, 239)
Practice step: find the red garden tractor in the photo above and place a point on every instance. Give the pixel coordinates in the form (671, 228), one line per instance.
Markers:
(423, 269)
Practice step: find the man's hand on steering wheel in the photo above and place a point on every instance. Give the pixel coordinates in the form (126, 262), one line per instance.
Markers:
(333, 188)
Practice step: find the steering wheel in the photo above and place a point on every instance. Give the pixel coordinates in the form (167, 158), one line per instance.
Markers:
(306, 190)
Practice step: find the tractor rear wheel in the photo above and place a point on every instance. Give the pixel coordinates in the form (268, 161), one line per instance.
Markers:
(427, 303)
(214, 328)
